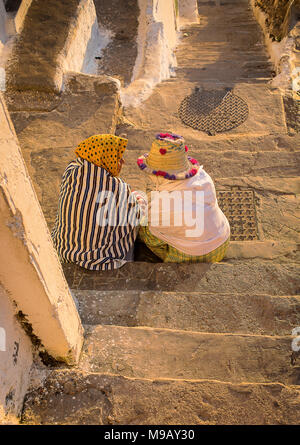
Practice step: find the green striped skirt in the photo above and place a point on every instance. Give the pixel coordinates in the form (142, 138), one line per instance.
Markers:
(168, 254)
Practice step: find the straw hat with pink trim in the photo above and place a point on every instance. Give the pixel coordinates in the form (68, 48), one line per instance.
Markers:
(168, 158)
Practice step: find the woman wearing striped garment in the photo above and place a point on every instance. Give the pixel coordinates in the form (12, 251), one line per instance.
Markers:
(98, 215)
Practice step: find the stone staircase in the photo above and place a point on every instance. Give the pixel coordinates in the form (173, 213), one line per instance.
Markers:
(180, 344)
(197, 343)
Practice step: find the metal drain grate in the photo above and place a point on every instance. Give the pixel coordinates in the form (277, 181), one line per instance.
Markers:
(239, 208)
(213, 111)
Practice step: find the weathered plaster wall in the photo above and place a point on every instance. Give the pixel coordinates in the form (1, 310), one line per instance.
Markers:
(29, 268)
(159, 22)
(21, 14)
(7, 33)
(85, 41)
(3, 18)
(284, 50)
(15, 359)
(188, 12)
(277, 16)
(7, 22)
(52, 41)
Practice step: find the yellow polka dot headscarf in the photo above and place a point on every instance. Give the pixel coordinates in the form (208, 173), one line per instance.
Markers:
(104, 150)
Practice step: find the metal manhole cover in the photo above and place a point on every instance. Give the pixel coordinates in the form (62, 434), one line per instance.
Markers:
(213, 111)
(239, 208)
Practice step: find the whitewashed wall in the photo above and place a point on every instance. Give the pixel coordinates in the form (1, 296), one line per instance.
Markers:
(3, 18)
(282, 54)
(15, 358)
(21, 14)
(85, 41)
(157, 39)
(158, 34)
(30, 275)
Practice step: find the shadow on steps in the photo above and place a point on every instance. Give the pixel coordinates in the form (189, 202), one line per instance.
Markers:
(257, 276)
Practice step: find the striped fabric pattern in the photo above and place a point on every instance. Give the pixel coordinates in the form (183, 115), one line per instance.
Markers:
(80, 234)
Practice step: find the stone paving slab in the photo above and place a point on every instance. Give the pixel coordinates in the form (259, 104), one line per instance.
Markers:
(191, 311)
(249, 299)
(78, 398)
(161, 109)
(267, 249)
(262, 185)
(237, 277)
(230, 163)
(162, 353)
(141, 139)
(285, 225)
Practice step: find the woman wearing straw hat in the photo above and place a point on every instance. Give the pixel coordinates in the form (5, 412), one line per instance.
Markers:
(98, 215)
(185, 222)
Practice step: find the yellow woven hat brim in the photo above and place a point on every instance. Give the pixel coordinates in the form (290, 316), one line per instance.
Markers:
(168, 159)
(168, 156)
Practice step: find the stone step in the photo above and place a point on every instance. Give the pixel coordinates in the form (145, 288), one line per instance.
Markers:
(263, 63)
(140, 140)
(202, 57)
(202, 54)
(79, 398)
(262, 185)
(231, 163)
(256, 77)
(191, 311)
(205, 76)
(71, 397)
(215, 84)
(255, 277)
(154, 353)
(161, 109)
(235, 168)
(268, 249)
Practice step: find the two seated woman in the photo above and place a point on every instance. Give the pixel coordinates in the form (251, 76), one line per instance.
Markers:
(99, 216)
